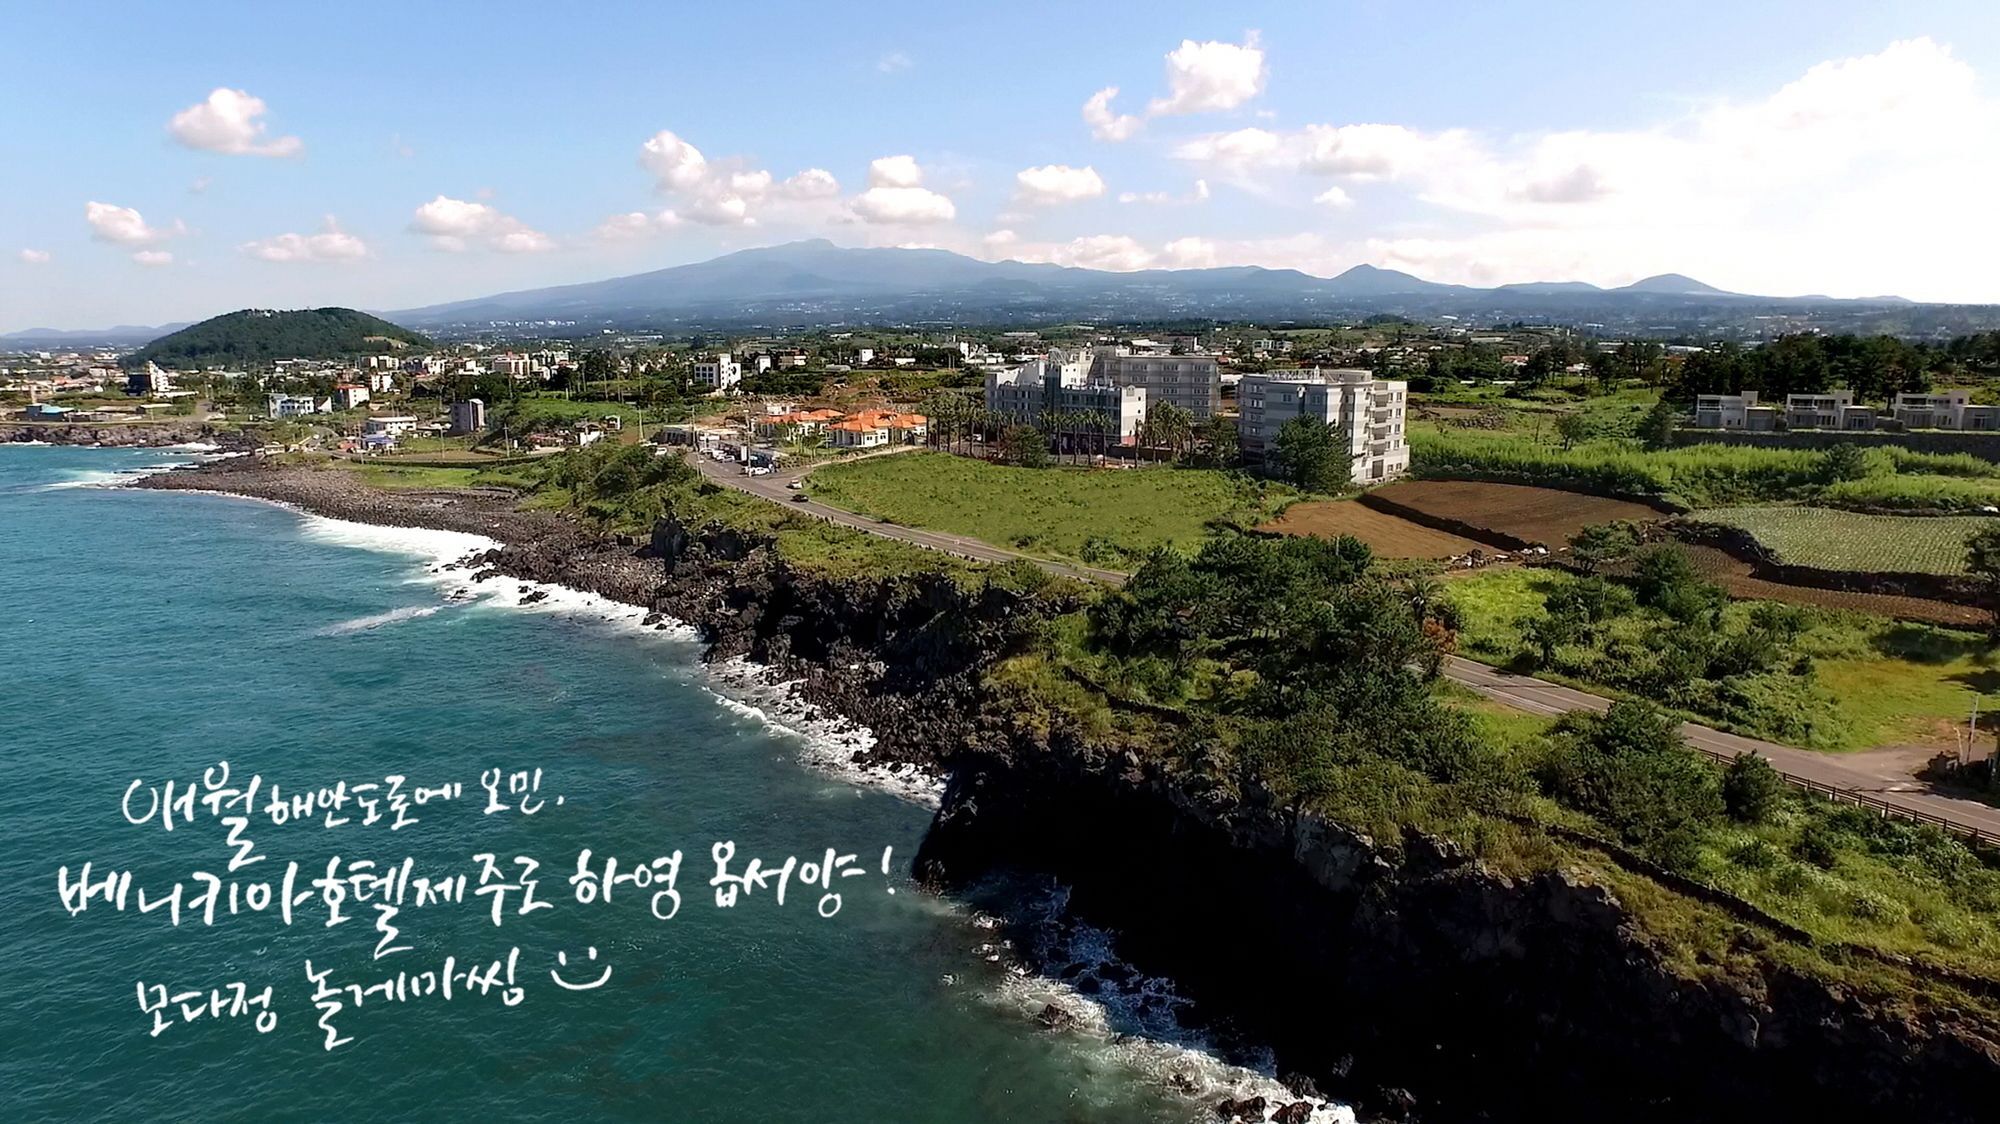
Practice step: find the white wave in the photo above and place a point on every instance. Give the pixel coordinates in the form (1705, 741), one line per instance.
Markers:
(416, 542)
(193, 447)
(365, 624)
(89, 478)
(829, 742)
(1130, 1019)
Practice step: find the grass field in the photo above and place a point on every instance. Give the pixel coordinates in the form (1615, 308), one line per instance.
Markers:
(1385, 534)
(1890, 683)
(1097, 516)
(1829, 539)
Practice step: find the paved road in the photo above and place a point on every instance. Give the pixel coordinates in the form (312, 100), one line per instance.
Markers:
(1819, 771)
(776, 488)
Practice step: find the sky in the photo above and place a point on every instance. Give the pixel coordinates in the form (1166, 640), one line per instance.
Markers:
(172, 162)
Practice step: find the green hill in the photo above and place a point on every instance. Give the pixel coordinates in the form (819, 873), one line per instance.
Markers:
(261, 335)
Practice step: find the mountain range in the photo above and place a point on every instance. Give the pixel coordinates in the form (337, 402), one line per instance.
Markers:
(816, 283)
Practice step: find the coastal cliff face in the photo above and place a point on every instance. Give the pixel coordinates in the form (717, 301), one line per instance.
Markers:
(1395, 973)
(124, 435)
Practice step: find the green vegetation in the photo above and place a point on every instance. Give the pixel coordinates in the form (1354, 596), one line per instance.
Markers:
(1102, 517)
(1828, 539)
(1809, 677)
(1714, 475)
(258, 336)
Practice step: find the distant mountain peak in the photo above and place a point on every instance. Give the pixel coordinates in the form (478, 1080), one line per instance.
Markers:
(1673, 284)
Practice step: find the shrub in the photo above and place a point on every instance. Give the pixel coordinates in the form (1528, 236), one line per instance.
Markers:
(1819, 845)
(1751, 789)
(1630, 769)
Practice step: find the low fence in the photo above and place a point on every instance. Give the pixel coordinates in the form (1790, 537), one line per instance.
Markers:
(1985, 446)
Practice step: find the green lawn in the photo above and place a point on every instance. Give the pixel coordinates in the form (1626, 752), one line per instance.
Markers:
(1099, 516)
(1888, 683)
(1829, 539)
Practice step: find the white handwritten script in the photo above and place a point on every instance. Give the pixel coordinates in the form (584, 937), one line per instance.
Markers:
(388, 894)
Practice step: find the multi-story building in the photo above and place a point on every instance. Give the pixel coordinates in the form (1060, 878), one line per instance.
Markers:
(717, 372)
(348, 395)
(1945, 409)
(149, 379)
(513, 366)
(389, 425)
(468, 416)
(1733, 411)
(1192, 382)
(296, 405)
(1065, 381)
(1370, 412)
(1834, 409)
(381, 382)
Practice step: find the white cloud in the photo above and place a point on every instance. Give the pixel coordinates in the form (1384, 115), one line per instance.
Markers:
(1334, 197)
(637, 224)
(894, 171)
(1105, 124)
(813, 183)
(678, 165)
(893, 62)
(122, 225)
(227, 122)
(1247, 147)
(330, 244)
(456, 224)
(1117, 252)
(1210, 76)
(999, 240)
(720, 208)
(895, 195)
(1190, 253)
(153, 257)
(1057, 183)
(1198, 195)
(35, 257)
(902, 205)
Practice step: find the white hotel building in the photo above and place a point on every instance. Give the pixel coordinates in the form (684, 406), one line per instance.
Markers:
(1370, 411)
(1066, 381)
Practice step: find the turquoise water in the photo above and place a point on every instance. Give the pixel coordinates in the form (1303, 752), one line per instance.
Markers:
(152, 635)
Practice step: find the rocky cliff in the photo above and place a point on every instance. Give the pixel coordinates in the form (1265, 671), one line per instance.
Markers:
(124, 434)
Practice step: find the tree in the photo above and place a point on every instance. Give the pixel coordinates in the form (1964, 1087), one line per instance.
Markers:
(1314, 456)
(1751, 789)
(1024, 446)
(1604, 543)
(1631, 769)
(1845, 461)
(1169, 425)
(1982, 561)
(1656, 429)
(1573, 428)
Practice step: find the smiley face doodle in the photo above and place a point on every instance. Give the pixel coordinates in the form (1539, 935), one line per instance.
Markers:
(562, 961)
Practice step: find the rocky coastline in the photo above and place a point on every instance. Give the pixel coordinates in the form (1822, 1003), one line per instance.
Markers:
(1396, 974)
(126, 435)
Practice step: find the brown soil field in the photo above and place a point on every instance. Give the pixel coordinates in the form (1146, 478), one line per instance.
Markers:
(1733, 575)
(1503, 512)
(1385, 534)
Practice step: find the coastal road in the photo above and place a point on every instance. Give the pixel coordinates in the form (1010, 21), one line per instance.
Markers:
(1820, 772)
(777, 488)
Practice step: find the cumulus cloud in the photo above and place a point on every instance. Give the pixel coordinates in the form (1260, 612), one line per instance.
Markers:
(637, 224)
(458, 224)
(153, 257)
(894, 171)
(999, 240)
(1057, 183)
(1106, 124)
(896, 195)
(227, 122)
(35, 257)
(1209, 76)
(330, 244)
(1199, 194)
(1189, 253)
(122, 225)
(1334, 196)
(725, 192)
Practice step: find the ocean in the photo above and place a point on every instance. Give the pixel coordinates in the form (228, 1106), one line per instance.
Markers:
(152, 636)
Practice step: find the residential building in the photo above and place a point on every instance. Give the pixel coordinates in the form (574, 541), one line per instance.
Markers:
(149, 379)
(43, 411)
(1192, 382)
(381, 382)
(1834, 409)
(1731, 411)
(1368, 410)
(1065, 381)
(857, 433)
(348, 395)
(512, 366)
(296, 405)
(718, 372)
(468, 416)
(1946, 409)
(388, 425)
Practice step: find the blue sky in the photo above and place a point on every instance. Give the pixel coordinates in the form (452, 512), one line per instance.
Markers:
(171, 162)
